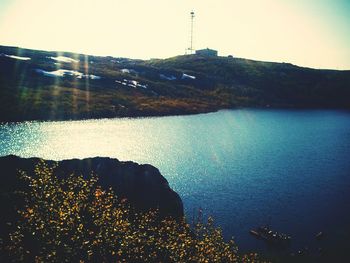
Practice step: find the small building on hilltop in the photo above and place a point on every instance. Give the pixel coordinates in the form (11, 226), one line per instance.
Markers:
(207, 52)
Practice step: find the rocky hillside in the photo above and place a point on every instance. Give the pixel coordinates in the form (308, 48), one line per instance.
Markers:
(140, 185)
(41, 85)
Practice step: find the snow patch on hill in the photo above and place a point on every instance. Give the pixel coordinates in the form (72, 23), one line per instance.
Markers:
(186, 76)
(15, 57)
(166, 77)
(131, 83)
(66, 72)
(64, 59)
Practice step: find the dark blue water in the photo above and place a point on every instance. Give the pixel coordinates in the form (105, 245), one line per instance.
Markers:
(286, 168)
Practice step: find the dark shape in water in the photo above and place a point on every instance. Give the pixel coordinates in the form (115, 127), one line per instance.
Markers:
(272, 237)
(319, 235)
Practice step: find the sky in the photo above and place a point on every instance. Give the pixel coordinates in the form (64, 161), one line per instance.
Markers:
(312, 33)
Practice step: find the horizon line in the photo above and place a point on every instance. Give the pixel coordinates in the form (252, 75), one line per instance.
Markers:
(152, 58)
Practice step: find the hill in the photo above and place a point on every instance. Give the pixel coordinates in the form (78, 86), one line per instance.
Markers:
(42, 85)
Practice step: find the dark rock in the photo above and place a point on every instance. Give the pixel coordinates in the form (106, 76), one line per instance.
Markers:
(142, 185)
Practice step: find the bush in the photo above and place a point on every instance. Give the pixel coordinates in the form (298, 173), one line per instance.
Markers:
(75, 220)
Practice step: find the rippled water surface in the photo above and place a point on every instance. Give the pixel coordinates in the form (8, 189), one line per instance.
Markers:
(286, 168)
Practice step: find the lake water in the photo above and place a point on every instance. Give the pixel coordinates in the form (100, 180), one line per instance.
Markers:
(286, 168)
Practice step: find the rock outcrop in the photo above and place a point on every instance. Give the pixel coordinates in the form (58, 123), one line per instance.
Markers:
(142, 185)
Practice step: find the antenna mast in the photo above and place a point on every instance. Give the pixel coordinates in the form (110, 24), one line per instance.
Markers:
(191, 46)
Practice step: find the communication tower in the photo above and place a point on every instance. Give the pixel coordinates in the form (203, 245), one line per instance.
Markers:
(191, 49)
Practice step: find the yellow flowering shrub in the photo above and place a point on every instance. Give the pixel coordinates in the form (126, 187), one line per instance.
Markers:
(75, 220)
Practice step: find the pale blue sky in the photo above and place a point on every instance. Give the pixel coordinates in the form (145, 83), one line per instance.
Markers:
(314, 33)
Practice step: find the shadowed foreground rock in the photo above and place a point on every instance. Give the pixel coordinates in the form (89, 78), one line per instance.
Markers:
(142, 185)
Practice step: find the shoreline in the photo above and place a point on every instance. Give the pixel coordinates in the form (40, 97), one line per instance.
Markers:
(165, 114)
